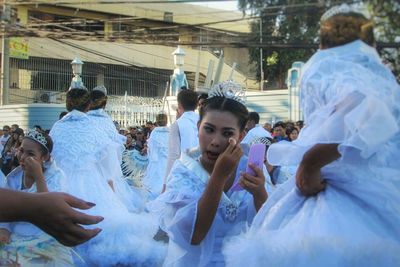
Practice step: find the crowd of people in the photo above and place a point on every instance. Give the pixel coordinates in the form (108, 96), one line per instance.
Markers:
(326, 193)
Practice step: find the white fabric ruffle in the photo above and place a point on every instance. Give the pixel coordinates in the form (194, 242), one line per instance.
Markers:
(348, 98)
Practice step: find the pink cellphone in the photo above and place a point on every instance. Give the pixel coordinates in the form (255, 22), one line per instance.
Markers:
(256, 157)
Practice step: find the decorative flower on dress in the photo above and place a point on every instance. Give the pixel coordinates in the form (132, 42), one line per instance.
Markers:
(231, 211)
(228, 89)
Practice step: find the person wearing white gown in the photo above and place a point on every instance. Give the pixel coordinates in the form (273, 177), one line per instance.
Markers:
(89, 159)
(157, 151)
(22, 242)
(199, 209)
(132, 198)
(342, 207)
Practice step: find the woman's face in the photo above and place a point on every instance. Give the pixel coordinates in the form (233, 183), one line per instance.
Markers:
(20, 138)
(214, 132)
(15, 136)
(294, 134)
(30, 148)
(128, 139)
(139, 136)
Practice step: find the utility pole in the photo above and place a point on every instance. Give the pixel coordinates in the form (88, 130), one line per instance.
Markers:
(5, 55)
(261, 58)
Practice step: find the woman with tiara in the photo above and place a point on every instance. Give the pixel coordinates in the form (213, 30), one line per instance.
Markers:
(200, 208)
(90, 161)
(23, 243)
(342, 207)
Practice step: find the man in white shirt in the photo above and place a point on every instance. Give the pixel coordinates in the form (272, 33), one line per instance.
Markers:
(254, 130)
(4, 137)
(183, 132)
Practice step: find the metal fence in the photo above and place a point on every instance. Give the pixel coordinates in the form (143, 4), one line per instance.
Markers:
(133, 110)
(49, 75)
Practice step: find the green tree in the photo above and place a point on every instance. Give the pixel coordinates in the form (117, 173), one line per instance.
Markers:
(385, 14)
(284, 23)
(296, 23)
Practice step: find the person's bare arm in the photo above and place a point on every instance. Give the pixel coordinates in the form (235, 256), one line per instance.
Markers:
(51, 212)
(308, 176)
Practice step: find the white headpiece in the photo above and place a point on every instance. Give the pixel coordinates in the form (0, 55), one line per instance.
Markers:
(77, 85)
(342, 9)
(101, 88)
(228, 89)
(38, 137)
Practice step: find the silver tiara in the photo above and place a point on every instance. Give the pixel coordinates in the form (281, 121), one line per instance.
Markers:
(228, 89)
(37, 136)
(101, 88)
(342, 9)
(77, 85)
(262, 140)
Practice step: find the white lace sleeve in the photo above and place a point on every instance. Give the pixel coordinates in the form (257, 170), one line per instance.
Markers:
(348, 106)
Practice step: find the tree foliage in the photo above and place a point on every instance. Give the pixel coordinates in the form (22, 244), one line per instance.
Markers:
(297, 22)
(283, 23)
(386, 16)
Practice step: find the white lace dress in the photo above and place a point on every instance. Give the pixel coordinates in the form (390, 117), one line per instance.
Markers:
(351, 99)
(133, 198)
(90, 159)
(177, 208)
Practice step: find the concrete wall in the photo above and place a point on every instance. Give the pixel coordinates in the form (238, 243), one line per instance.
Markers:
(272, 106)
(28, 115)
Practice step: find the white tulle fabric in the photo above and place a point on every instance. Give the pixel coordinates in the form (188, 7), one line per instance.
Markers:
(90, 160)
(348, 98)
(157, 150)
(177, 208)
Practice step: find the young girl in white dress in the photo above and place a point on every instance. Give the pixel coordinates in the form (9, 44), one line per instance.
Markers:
(90, 160)
(157, 151)
(23, 243)
(342, 207)
(199, 210)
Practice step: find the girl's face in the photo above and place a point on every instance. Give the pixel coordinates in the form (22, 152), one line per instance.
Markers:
(293, 135)
(128, 139)
(214, 132)
(20, 138)
(30, 148)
